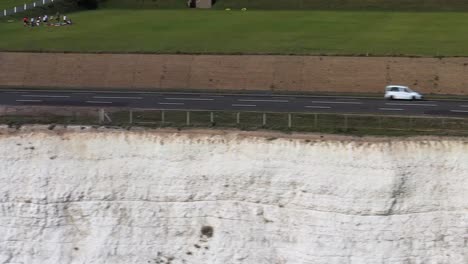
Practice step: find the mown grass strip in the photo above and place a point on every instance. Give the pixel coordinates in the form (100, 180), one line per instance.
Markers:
(251, 32)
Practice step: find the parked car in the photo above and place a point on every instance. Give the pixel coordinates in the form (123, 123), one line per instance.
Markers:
(400, 92)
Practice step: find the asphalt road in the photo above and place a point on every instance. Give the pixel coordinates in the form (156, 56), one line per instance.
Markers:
(236, 102)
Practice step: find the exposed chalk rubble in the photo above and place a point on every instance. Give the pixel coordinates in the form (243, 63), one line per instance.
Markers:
(112, 196)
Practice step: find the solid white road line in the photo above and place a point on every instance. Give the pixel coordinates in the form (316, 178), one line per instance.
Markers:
(410, 104)
(83, 93)
(28, 100)
(171, 103)
(318, 107)
(332, 102)
(459, 111)
(243, 105)
(259, 100)
(116, 97)
(391, 109)
(46, 96)
(98, 102)
(190, 99)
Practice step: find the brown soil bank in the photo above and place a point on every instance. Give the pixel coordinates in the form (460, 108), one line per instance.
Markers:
(269, 73)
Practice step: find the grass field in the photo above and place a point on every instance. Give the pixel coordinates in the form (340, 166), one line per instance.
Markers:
(408, 5)
(7, 4)
(274, 32)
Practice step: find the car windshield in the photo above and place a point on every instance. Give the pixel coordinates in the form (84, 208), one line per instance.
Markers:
(408, 90)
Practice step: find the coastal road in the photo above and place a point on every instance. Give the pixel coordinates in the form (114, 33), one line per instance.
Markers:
(233, 102)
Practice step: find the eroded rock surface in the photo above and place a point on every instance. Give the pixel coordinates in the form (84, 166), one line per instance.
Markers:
(158, 197)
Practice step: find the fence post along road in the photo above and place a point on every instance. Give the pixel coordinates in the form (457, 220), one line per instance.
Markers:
(23, 7)
(366, 124)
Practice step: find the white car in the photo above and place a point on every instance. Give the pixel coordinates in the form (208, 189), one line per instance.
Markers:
(401, 93)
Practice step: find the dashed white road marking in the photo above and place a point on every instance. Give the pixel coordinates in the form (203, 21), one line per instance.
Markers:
(46, 96)
(15, 92)
(459, 111)
(318, 107)
(244, 105)
(98, 102)
(117, 97)
(332, 102)
(403, 104)
(263, 100)
(463, 105)
(83, 93)
(190, 99)
(171, 103)
(28, 100)
(391, 109)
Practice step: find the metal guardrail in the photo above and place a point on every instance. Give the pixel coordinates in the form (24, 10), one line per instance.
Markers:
(24, 7)
(306, 122)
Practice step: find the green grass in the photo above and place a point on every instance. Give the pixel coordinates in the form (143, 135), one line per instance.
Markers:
(407, 5)
(272, 32)
(300, 122)
(8, 4)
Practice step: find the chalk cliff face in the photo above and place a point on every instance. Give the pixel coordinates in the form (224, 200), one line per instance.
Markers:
(89, 196)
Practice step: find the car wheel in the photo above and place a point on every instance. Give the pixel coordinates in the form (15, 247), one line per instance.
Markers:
(413, 98)
(391, 97)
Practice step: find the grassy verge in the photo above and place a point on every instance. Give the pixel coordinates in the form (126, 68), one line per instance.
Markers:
(297, 122)
(252, 32)
(406, 5)
(411, 5)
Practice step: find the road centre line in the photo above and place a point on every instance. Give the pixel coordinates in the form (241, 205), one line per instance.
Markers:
(116, 97)
(46, 96)
(318, 107)
(98, 102)
(331, 102)
(171, 103)
(260, 100)
(463, 105)
(459, 111)
(28, 100)
(403, 104)
(243, 105)
(391, 109)
(190, 99)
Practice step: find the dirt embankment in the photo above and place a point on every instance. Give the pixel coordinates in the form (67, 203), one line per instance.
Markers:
(268, 73)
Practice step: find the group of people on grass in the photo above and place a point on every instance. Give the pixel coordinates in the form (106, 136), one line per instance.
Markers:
(56, 20)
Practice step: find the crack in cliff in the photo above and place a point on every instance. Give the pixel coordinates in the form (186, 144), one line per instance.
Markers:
(389, 211)
(398, 190)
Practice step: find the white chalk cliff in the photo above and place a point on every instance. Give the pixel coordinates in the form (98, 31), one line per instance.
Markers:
(124, 197)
